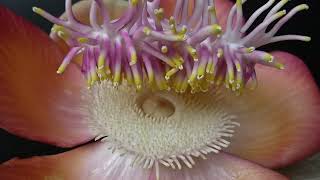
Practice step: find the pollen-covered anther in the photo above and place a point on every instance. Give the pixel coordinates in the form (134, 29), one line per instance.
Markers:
(144, 45)
(164, 49)
(159, 13)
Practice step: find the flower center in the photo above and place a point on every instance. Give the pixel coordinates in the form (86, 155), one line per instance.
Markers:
(157, 106)
(160, 127)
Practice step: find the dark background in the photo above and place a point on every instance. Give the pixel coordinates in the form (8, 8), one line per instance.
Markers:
(304, 23)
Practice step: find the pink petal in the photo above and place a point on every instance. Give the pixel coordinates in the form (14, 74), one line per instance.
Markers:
(35, 102)
(223, 8)
(222, 166)
(280, 119)
(90, 162)
(96, 162)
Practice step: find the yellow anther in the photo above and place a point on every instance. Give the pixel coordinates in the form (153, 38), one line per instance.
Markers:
(178, 61)
(250, 49)
(303, 7)
(63, 35)
(281, 13)
(147, 31)
(238, 86)
(201, 71)
(102, 75)
(171, 73)
(57, 28)
(134, 2)
(209, 66)
(164, 49)
(181, 37)
(172, 20)
(138, 87)
(216, 29)
(89, 84)
(184, 86)
(192, 78)
(129, 78)
(107, 70)
(83, 40)
(204, 86)
(101, 61)
(231, 76)
(212, 10)
(61, 68)
(61, 32)
(159, 13)
(307, 38)
(101, 68)
(151, 78)
(220, 53)
(239, 3)
(137, 81)
(184, 30)
(213, 67)
(133, 58)
(283, 2)
(238, 67)
(95, 78)
(268, 58)
(193, 53)
(116, 79)
(173, 25)
(38, 10)
(280, 66)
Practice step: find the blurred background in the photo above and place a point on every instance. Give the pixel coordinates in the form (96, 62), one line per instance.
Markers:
(304, 23)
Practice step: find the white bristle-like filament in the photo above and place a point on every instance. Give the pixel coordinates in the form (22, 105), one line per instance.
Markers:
(203, 156)
(134, 160)
(157, 170)
(186, 162)
(170, 161)
(152, 161)
(98, 137)
(177, 162)
(164, 163)
(255, 15)
(146, 163)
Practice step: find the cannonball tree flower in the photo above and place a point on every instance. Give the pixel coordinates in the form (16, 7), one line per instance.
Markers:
(155, 103)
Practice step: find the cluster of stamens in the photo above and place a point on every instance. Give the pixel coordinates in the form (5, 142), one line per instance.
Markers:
(187, 50)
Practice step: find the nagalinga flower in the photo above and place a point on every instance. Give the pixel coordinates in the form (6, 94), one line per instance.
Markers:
(196, 131)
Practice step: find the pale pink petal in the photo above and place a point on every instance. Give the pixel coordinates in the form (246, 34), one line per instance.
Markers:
(90, 162)
(280, 119)
(96, 162)
(222, 166)
(35, 102)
